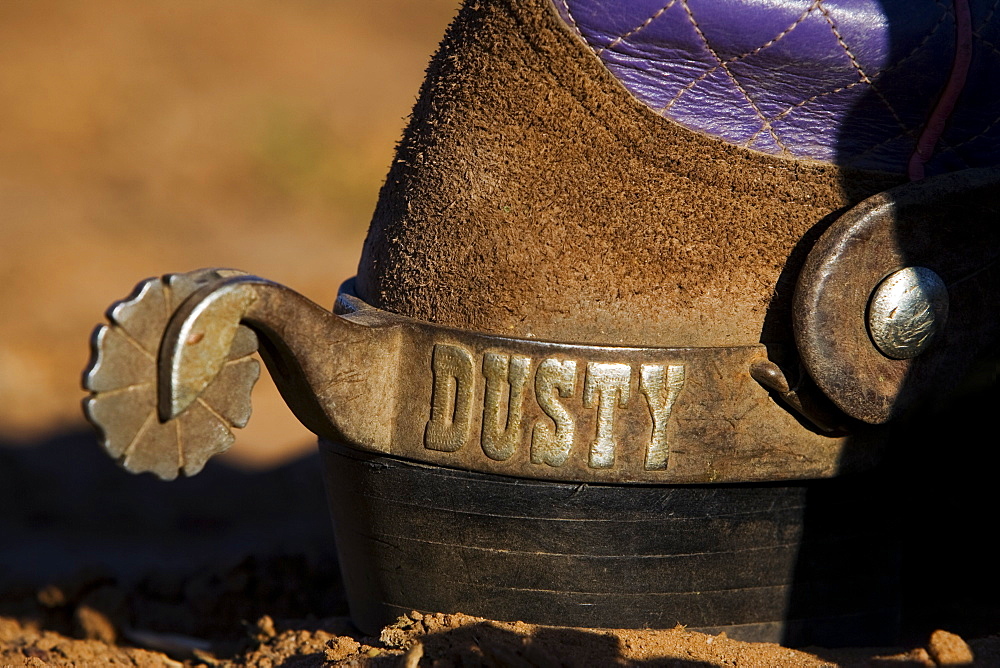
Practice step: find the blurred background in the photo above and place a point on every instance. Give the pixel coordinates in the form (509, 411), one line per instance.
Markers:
(140, 138)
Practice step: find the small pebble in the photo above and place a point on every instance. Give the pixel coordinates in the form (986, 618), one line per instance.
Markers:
(412, 657)
(92, 624)
(340, 648)
(265, 627)
(52, 597)
(948, 649)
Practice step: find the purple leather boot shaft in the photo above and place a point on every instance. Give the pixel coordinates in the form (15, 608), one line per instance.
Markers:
(859, 83)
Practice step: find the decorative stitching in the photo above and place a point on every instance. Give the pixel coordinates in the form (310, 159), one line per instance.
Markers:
(863, 80)
(798, 105)
(842, 43)
(736, 83)
(973, 138)
(767, 123)
(896, 65)
(949, 149)
(618, 40)
(572, 19)
(861, 72)
(991, 45)
(986, 19)
(734, 59)
(874, 147)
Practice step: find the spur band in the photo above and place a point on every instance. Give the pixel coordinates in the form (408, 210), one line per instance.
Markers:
(582, 413)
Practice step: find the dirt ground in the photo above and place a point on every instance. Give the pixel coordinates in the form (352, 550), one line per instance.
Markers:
(236, 567)
(143, 138)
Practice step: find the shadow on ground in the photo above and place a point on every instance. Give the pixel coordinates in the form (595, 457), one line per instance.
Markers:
(196, 556)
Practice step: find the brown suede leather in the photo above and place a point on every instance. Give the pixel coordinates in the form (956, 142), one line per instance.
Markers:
(532, 196)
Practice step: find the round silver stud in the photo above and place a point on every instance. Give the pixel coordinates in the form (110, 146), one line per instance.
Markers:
(906, 312)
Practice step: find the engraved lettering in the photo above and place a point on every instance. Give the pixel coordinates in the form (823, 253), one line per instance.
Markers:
(606, 386)
(661, 385)
(501, 437)
(451, 399)
(552, 446)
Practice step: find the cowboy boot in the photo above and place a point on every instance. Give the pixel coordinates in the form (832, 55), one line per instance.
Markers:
(641, 291)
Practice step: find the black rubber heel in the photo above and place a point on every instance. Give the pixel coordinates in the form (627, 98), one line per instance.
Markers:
(737, 558)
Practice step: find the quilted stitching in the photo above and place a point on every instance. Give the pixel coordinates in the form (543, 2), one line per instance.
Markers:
(974, 129)
(845, 81)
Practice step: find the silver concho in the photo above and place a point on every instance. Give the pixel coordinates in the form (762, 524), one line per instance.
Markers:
(907, 311)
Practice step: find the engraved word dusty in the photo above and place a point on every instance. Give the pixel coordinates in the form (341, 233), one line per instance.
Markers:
(606, 387)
